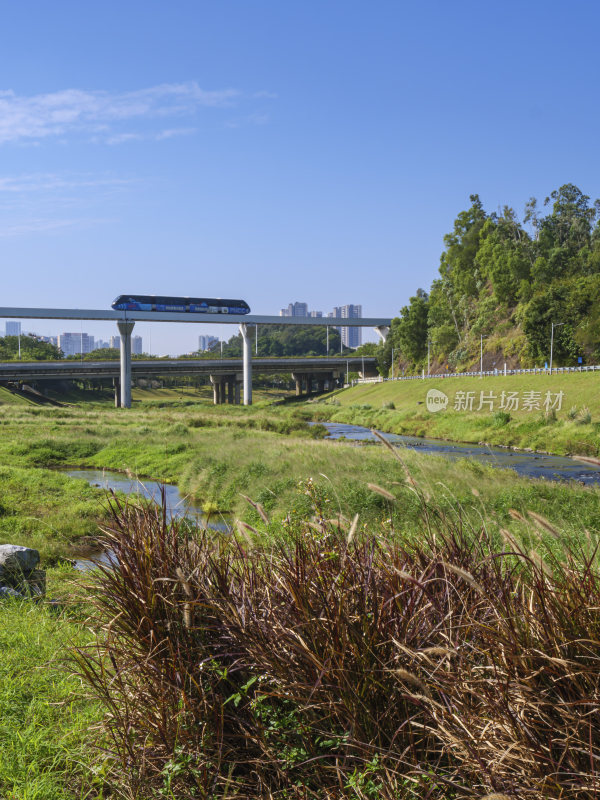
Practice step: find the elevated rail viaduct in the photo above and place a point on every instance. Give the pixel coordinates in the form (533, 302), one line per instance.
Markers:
(126, 320)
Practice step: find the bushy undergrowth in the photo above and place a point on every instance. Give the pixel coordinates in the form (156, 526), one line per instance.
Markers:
(344, 662)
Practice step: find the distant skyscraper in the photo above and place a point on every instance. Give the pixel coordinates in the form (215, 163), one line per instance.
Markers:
(295, 310)
(74, 343)
(351, 337)
(115, 342)
(12, 329)
(317, 314)
(100, 344)
(136, 345)
(206, 343)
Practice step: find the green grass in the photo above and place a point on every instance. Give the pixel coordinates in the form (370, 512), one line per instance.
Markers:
(218, 454)
(572, 430)
(47, 510)
(45, 715)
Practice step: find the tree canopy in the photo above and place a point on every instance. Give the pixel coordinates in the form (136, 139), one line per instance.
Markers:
(508, 281)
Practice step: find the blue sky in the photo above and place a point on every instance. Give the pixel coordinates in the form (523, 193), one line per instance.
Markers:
(275, 151)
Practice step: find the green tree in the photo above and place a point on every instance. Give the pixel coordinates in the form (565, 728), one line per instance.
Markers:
(32, 349)
(410, 331)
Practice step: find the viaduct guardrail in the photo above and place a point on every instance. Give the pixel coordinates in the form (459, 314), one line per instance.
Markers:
(480, 374)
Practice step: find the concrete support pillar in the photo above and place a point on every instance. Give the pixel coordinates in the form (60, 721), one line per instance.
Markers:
(238, 386)
(309, 383)
(321, 385)
(298, 379)
(215, 380)
(230, 383)
(382, 331)
(247, 350)
(117, 389)
(125, 329)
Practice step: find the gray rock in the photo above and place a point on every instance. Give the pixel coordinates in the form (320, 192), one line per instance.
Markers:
(15, 559)
(6, 592)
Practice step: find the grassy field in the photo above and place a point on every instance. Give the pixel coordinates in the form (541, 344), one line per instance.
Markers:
(218, 455)
(400, 407)
(46, 717)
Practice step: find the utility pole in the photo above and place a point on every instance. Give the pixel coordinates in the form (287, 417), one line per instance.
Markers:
(327, 349)
(554, 325)
(392, 363)
(256, 340)
(428, 358)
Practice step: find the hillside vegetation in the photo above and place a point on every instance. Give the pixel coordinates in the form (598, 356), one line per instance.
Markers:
(508, 281)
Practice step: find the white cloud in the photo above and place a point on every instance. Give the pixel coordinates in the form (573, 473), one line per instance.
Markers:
(49, 182)
(26, 118)
(44, 226)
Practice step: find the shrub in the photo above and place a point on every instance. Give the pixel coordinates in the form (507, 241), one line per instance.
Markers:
(344, 663)
(501, 418)
(389, 405)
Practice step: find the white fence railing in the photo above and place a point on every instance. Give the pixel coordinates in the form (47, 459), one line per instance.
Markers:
(478, 374)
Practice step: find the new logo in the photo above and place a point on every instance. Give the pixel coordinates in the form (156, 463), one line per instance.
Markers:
(436, 400)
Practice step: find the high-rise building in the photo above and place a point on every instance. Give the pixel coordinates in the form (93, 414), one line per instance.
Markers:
(115, 342)
(206, 343)
(295, 310)
(317, 314)
(100, 344)
(351, 337)
(12, 329)
(136, 345)
(74, 343)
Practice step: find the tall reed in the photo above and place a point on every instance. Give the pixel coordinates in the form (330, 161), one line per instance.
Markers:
(340, 662)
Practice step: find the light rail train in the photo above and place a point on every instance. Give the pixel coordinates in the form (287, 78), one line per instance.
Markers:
(192, 305)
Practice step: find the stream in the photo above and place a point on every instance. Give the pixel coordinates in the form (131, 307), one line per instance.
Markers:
(528, 465)
(176, 505)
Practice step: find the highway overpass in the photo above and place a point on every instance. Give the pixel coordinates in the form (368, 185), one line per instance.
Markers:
(126, 320)
(226, 375)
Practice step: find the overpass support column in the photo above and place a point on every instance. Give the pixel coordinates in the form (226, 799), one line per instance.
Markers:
(216, 384)
(237, 391)
(117, 392)
(298, 379)
(230, 382)
(247, 350)
(382, 331)
(125, 329)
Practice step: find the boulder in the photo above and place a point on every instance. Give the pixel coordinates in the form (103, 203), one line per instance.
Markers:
(19, 576)
(15, 560)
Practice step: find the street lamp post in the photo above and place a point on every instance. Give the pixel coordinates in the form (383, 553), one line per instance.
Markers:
(554, 325)
(428, 350)
(481, 357)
